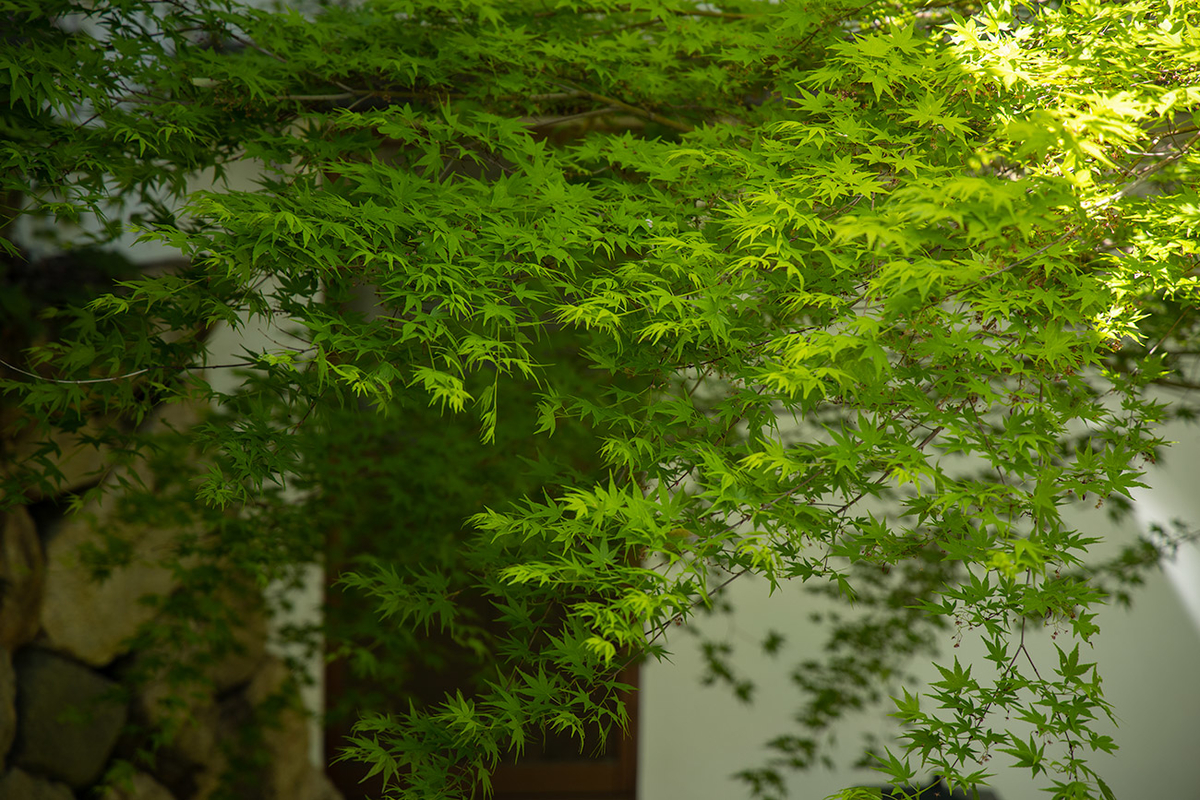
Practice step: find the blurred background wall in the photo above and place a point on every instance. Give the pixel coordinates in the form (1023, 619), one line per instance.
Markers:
(694, 739)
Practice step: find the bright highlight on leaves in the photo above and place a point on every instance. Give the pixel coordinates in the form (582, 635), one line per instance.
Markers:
(853, 299)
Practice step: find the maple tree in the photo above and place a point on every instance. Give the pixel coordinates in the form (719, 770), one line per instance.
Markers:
(859, 295)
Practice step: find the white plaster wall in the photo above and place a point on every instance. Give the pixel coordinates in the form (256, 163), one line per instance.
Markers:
(694, 738)
(227, 346)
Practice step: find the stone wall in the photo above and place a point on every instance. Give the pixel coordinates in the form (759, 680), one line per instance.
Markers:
(73, 725)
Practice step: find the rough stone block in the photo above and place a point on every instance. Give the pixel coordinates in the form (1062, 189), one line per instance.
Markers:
(287, 773)
(93, 620)
(22, 579)
(80, 463)
(17, 784)
(67, 722)
(142, 787)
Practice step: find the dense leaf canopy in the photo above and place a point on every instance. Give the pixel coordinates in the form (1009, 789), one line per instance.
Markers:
(859, 295)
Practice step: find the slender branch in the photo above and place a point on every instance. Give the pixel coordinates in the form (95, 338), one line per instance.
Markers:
(127, 375)
(641, 112)
(551, 121)
(1144, 176)
(832, 19)
(78, 383)
(631, 26)
(678, 12)
(322, 97)
(1168, 333)
(537, 98)
(254, 46)
(1070, 232)
(1157, 381)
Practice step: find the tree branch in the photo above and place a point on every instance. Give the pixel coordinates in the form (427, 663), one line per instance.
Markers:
(641, 112)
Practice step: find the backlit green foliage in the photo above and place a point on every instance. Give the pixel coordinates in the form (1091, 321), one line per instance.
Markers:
(854, 296)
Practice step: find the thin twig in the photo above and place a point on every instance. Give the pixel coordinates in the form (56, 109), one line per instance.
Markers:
(1144, 176)
(679, 12)
(126, 376)
(77, 383)
(641, 112)
(545, 123)
(1168, 333)
(537, 98)
(1070, 232)
(321, 97)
